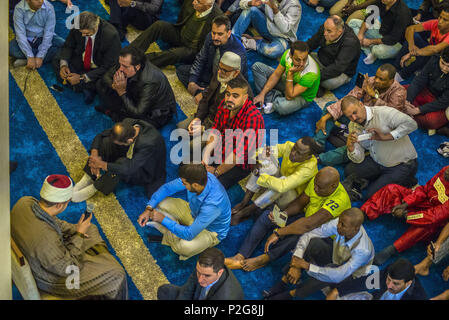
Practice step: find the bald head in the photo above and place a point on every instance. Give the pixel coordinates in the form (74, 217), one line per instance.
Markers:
(326, 181)
(122, 133)
(350, 222)
(355, 216)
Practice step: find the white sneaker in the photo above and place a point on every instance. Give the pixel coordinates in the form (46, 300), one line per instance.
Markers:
(20, 63)
(249, 44)
(268, 108)
(398, 77)
(370, 59)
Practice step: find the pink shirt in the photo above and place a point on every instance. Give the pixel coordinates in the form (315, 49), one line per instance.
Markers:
(435, 35)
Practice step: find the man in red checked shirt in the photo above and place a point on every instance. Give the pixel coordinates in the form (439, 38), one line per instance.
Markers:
(236, 112)
(425, 209)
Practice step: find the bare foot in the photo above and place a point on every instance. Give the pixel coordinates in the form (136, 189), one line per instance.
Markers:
(442, 296)
(422, 268)
(235, 262)
(255, 263)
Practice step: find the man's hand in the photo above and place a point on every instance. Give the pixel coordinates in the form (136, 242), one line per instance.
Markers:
(321, 125)
(156, 216)
(259, 98)
(31, 63)
(273, 5)
(348, 10)
(400, 210)
(404, 59)
(445, 274)
(313, 2)
(368, 88)
(198, 98)
(352, 139)
(124, 3)
(332, 295)
(417, 17)
(293, 275)
(411, 110)
(429, 249)
(74, 78)
(38, 62)
(144, 217)
(193, 88)
(210, 169)
(97, 163)
(194, 126)
(82, 226)
(379, 135)
(413, 49)
(365, 42)
(119, 83)
(64, 72)
(361, 38)
(272, 239)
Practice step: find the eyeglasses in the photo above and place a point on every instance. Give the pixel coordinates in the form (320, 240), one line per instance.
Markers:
(224, 70)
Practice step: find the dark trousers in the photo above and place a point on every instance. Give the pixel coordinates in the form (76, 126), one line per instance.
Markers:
(114, 106)
(109, 152)
(127, 15)
(260, 229)
(167, 32)
(233, 176)
(168, 292)
(418, 64)
(75, 68)
(183, 73)
(379, 176)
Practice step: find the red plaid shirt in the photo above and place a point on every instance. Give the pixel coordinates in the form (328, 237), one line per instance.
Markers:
(249, 117)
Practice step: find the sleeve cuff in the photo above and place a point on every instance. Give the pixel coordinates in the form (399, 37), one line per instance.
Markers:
(395, 134)
(63, 63)
(313, 268)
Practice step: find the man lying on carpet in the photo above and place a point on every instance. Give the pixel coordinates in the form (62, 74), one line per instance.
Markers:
(211, 280)
(298, 166)
(132, 151)
(332, 254)
(185, 37)
(52, 246)
(189, 227)
(379, 90)
(231, 163)
(87, 54)
(135, 88)
(197, 76)
(36, 42)
(292, 85)
(429, 93)
(397, 282)
(228, 68)
(338, 53)
(382, 38)
(323, 199)
(392, 158)
(425, 209)
(276, 21)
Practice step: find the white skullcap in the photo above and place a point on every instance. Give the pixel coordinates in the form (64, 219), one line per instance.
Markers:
(231, 59)
(57, 188)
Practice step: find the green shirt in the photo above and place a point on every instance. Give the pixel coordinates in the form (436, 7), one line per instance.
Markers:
(309, 77)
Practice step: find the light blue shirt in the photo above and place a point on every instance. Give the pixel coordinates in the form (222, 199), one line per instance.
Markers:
(31, 25)
(361, 254)
(205, 290)
(391, 296)
(211, 209)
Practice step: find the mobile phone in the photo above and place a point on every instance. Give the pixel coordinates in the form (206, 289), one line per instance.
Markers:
(57, 88)
(89, 210)
(359, 81)
(363, 137)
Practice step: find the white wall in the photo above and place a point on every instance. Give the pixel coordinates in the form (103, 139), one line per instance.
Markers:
(5, 251)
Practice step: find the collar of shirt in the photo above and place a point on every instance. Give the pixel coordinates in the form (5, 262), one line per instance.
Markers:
(28, 8)
(92, 36)
(206, 190)
(391, 296)
(210, 286)
(369, 115)
(349, 244)
(204, 13)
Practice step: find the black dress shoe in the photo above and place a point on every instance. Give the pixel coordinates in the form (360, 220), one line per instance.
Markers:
(89, 96)
(153, 238)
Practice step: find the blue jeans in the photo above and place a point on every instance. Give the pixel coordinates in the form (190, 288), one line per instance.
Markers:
(380, 51)
(418, 64)
(261, 73)
(260, 229)
(272, 47)
(16, 52)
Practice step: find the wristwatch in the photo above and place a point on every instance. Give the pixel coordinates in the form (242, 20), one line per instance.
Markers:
(149, 208)
(132, 4)
(275, 231)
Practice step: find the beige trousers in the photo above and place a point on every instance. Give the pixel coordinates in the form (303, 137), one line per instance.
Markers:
(338, 6)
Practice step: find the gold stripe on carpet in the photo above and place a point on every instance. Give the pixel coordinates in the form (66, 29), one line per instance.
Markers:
(121, 233)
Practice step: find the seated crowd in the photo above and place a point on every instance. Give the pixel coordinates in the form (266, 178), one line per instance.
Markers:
(301, 208)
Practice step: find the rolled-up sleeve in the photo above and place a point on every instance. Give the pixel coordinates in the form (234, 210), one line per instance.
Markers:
(324, 231)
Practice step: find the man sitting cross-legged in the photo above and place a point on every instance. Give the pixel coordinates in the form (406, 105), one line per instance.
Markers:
(323, 199)
(190, 227)
(332, 254)
(425, 209)
(298, 167)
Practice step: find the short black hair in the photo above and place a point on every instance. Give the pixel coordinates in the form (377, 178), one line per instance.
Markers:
(122, 131)
(442, 7)
(347, 101)
(445, 55)
(238, 82)
(401, 269)
(137, 55)
(222, 20)
(212, 257)
(193, 173)
(312, 144)
(389, 68)
(300, 46)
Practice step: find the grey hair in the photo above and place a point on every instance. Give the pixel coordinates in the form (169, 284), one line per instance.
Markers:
(338, 21)
(88, 20)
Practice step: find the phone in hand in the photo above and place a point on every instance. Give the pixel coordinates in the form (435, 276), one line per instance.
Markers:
(360, 79)
(89, 210)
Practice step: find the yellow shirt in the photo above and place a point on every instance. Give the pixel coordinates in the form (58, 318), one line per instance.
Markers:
(335, 204)
(296, 174)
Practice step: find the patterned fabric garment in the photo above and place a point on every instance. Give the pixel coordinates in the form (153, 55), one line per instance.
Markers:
(249, 117)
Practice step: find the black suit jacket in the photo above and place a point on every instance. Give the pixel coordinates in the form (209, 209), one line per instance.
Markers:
(107, 48)
(226, 288)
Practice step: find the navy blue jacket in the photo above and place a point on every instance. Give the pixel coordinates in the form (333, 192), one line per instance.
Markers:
(201, 70)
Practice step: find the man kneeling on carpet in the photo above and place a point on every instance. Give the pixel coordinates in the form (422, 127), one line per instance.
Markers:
(425, 209)
(323, 199)
(132, 151)
(189, 227)
(332, 254)
(52, 246)
(211, 280)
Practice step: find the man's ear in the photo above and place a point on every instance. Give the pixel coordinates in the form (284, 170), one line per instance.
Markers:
(220, 272)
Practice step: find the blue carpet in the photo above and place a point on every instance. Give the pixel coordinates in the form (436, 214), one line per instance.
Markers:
(37, 158)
